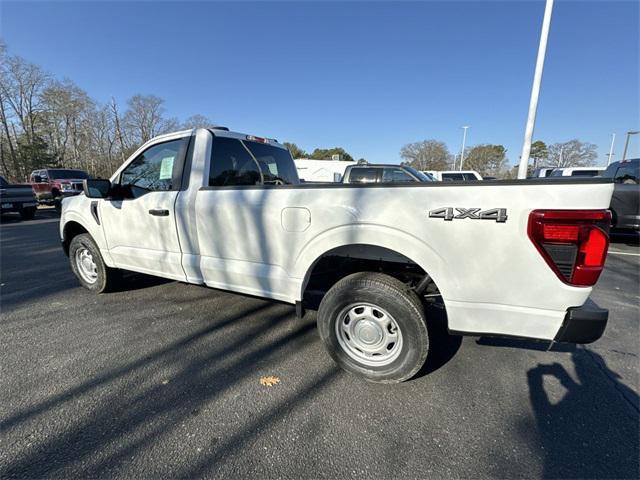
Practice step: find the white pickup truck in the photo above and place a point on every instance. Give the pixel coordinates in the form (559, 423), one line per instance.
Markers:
(226, 210)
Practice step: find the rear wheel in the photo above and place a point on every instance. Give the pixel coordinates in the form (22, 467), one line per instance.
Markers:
(373, 325)
(27, 213)
(87, 264)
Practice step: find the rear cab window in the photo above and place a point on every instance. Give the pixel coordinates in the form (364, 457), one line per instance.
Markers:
(585, 173)
(276, 163)
(236, 162)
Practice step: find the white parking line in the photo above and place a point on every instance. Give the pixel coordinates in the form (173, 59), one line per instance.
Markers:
(624, 253)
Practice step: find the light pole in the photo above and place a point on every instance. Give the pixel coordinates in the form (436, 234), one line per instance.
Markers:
(626, 144)
(535, 91)
(613, 139)
(464, 139)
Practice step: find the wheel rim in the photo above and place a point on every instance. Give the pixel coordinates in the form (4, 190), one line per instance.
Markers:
(87, 267)
(368, 334)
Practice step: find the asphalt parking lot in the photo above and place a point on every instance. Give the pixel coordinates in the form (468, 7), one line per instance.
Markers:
(161, 379)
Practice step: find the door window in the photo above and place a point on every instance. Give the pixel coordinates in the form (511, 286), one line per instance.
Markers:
(363, 175)
(628, 174)
(395, 175)
(470, 177)
(452, 177)
(157, 169)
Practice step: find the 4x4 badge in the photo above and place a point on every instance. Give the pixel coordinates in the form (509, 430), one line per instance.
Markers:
(448, 213)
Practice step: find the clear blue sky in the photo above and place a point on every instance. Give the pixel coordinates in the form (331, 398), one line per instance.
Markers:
(369, 77)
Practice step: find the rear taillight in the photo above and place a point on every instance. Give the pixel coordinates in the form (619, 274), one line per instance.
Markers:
(573, 242)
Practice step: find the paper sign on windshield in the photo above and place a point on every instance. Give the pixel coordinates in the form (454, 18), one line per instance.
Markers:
(166, 168)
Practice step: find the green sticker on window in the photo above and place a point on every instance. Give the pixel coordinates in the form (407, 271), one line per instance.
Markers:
(166, 168)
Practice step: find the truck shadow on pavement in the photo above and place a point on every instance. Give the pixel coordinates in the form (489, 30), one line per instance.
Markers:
(585, 421)
(175, 383)
(582, 434)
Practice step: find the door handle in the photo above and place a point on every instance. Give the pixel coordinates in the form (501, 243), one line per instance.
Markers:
(158, 212)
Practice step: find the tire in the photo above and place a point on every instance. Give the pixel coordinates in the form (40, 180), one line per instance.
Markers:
(98, 278)
(374, 326)
(28, 213)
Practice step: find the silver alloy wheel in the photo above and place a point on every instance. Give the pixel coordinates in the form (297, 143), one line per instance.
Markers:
(368, 334)
(87, 268)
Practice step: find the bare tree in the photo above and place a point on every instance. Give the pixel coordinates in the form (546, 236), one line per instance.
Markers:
(21, 86)
(573, 153)
(198, 121)
(145, 118)
(66, 120)
(488, 160)
(426, 155)
(45, 122)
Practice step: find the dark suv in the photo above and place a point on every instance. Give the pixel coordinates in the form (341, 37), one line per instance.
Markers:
(378, 173)
(625, 203)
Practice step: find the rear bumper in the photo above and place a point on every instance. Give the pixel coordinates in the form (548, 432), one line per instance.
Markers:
(631, 222)
(583, 324)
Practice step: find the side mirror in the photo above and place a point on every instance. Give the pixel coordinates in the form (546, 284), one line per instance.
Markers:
(96, 188)
(37, 179)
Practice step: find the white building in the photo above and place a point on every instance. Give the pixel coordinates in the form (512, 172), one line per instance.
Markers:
(321, 170)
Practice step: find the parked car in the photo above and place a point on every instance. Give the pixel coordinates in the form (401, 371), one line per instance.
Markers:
(383, 173)
(455, 175)
(541, 172)
(321, 170)
(577, 172)
(17, 198)
(625, 203)
(52, 184)
(226, 210)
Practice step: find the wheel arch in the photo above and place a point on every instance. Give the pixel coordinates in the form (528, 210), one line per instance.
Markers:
(371, 242)
(70, 230)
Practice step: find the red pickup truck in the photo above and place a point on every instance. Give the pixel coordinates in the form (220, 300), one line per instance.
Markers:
(52, 184)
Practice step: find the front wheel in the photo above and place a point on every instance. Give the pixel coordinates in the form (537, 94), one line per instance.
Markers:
(374, 325)
(87, 264)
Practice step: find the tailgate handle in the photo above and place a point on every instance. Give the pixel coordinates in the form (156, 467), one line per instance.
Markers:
(158, 212)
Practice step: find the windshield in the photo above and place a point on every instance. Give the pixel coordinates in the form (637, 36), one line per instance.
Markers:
(3, 182)
(419, 175)
(61, 174)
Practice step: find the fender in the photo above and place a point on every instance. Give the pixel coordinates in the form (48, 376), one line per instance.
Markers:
(89, 224)
(377, 235)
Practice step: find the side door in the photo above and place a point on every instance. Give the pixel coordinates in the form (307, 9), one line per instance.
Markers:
(40, 187)
(139, 221)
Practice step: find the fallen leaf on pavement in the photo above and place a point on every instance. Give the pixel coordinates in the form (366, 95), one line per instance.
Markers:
(269, 381)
